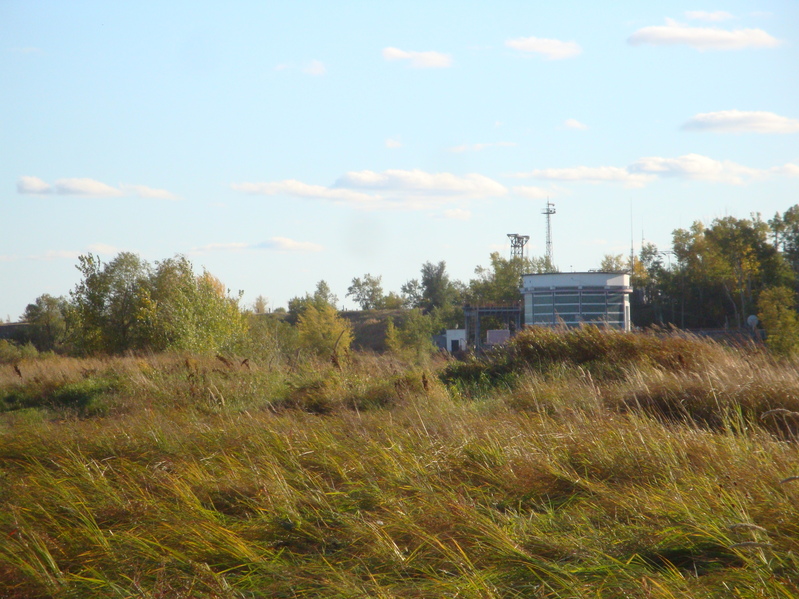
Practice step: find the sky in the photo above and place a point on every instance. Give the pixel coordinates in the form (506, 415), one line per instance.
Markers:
(277, 144)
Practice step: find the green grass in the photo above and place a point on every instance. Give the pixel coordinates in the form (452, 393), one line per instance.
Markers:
(559, 477)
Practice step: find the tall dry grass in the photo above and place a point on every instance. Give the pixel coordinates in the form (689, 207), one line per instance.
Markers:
(191, 477)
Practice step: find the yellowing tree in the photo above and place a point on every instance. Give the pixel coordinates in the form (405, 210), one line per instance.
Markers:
(323, 332)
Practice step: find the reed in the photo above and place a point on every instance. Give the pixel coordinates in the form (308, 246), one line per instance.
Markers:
(194, 478)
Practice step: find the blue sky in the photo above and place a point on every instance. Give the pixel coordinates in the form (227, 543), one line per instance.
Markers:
(277, 143)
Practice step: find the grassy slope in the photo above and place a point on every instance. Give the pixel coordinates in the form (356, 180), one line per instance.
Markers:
(637, 468)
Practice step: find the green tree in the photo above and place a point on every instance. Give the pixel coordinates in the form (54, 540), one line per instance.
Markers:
(322, 296)
(129, 305)
(501, 281)
(437, 289)
(613, 263)
(47, 318)
(725, 266)
(323, 332)
(367, 292)
(107, 301)
(412, 294)
(413, 340)
(785, 231)
(779, 318)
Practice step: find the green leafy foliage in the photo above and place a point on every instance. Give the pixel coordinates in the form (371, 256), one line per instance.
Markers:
(321, 331)
(128, 304)
(778, 316)
(414, 338)
(47, 320)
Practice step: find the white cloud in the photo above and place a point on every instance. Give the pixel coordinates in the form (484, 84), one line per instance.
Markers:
(56, 255)
(299, 189)
(91, 188)
(456, 214)
(739, 121)
(391, 189)
(645, 170)
(480, 147)
(702, 38)
(711, 17)
(591, 174)
(575, 124)
(788, 170)
(103, 248)
(552, 49)
(282, 244)
(532, 193)
(143, 191)
(420, 182)
(393, 143)
(696, 167)
(419, 60)
(86, 187)
(33, 185)
(316, 68)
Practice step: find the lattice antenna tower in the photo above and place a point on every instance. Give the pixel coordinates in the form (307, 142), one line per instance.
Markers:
(549, 211)
(517, 243)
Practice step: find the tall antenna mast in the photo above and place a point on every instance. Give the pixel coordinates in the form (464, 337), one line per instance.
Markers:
(517, 243)
(549, 211)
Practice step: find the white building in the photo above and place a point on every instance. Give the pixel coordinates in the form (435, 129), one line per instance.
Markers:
(452, 340)
(576, 297)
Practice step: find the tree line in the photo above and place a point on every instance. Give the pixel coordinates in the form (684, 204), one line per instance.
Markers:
(713, 276)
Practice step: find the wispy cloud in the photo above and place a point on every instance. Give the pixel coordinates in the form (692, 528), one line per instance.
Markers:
(56, 255)
(696, 167)
(532, 193)
(456, 214)
(787, 170)
(86, 187)
(480, 147)
(710, 17)
(575, 124)
(315, 67)
(702, 38)
(292, 187)
(591, 174)
(423, 183)
(739, 121)
(142, 191)
(280, 244)
(33, 185)
(551, 49)
(103, 249)
(89, 188)
(648, 169)
(390, 189)
(419, 60)
(393, 143)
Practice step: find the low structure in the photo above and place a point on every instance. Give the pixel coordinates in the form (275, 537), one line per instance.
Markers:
(497, 336)
(452, 340)
(577, 297)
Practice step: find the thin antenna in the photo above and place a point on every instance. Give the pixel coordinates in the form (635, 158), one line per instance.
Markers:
(632, 241)
(549, 211)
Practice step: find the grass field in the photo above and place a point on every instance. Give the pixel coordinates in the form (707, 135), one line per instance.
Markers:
(572, 464)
